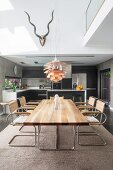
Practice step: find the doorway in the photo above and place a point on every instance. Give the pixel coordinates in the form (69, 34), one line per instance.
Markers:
(105, 76)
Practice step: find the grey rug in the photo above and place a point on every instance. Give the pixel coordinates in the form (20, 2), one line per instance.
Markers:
(83, 158)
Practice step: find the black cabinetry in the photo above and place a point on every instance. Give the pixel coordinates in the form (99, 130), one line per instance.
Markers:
(42, 94)
(33, 94)
(32, 72)
(24, 93)
(56, 85)
(67, 83)
(76, 96)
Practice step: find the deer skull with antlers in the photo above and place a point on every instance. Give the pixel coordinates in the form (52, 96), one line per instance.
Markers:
(42, 38)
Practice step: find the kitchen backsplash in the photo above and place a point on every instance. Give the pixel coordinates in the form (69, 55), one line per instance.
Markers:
(36, 82)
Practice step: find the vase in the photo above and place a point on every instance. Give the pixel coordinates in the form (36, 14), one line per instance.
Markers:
(14, 89)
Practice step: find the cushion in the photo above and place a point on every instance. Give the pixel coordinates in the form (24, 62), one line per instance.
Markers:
(92, 119)
(20, 119)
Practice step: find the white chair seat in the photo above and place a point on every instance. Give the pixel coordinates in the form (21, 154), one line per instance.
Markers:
(29, 111)
(92, 119)
(20, 119)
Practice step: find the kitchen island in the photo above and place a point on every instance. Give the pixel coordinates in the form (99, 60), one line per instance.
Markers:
(29, 93)
(75, 95)
(39, 94)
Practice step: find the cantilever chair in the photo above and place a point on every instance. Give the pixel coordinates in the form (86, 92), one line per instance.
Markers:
(24, 105)
(95, 117)
(87, 105)
(21, 117)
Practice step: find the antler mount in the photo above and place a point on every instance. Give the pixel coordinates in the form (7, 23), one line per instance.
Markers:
(42, 38)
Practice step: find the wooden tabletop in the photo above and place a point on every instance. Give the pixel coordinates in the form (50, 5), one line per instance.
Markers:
(46, 114)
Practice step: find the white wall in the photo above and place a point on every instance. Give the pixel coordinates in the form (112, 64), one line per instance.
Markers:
(66, 31)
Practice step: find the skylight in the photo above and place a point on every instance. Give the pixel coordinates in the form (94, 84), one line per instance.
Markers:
(5, 5)
(16, 42)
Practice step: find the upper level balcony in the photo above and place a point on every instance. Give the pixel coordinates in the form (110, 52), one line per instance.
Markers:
(99, 23)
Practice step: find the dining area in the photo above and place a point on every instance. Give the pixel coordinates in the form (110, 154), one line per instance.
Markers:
(58, 112)
(56, 85)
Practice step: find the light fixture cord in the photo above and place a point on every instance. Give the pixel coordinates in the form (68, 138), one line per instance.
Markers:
(56, 29)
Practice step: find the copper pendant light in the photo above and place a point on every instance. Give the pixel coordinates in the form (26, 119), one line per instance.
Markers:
(55, 70)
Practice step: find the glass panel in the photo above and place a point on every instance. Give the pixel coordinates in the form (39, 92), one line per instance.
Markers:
(92, 10)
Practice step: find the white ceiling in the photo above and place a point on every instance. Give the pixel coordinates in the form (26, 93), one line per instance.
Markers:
(77, 60)
(19, 44)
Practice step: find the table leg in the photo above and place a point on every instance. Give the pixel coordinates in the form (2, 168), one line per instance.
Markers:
(74, 137)
(77, 134)
(39, 128)
(57, 139)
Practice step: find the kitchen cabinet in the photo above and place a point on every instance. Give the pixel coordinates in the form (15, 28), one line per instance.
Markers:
(67, 83)
(56, 85)
(30, 72)
(33, 94)
(42, 94)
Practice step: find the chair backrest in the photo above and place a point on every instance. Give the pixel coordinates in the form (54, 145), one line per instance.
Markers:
(92, 101)
(22, 100)
(13, 106)
(51, 98)
(100, 105)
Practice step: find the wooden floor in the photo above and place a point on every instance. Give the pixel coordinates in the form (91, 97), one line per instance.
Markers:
(108, 125)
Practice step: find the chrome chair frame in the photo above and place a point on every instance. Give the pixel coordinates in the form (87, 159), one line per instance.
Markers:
(87, 105)
(14, 110)
(35, 135)
(101, 121)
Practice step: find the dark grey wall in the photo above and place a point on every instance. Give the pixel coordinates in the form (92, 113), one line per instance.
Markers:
(33, 72)
(6, 69)
(103, 66)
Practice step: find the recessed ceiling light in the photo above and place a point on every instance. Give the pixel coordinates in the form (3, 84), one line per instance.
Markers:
(36, 62)
(22, 62)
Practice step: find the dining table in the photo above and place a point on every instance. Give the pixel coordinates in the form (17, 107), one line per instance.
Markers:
(47, 114)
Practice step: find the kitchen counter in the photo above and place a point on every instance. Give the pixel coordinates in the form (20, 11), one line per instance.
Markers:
(31, 93)
(65, 90)
(34, 93)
